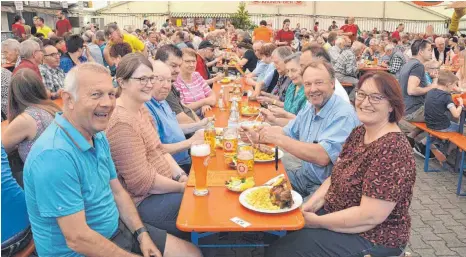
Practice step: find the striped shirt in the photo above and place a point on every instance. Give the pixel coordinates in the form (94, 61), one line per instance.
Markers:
(194, 91)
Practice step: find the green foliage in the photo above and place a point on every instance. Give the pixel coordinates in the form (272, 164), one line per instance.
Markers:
(241, 19)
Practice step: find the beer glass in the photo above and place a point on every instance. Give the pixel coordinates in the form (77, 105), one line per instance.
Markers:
(245, 161)
(200, 151)
(210, 137)
(230, 141)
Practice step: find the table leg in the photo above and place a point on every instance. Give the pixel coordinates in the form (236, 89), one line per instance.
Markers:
(461, 130)
(460, 176)
(195, 238)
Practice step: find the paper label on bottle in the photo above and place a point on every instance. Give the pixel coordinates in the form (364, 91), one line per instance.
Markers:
(240, 222)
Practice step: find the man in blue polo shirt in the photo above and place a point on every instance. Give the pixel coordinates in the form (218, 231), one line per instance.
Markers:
(172, 134)
(76, 204)
(317, 134)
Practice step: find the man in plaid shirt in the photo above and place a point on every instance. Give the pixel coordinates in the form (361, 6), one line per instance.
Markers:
(52, 76)
(346, 66)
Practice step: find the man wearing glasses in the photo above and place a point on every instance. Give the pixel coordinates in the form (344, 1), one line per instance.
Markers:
(52, 76)
(31, 56)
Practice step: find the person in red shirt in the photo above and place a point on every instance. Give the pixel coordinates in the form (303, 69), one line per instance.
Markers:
(63, 25)
(204, 53)
(285, 35)
(399, 29)
(350, 29)
(17, 28)
(316, 26)
(31, 56)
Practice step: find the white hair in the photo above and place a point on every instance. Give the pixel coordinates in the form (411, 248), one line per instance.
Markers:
(340, 41)
(389, 47)
(11, 44)
(27, 48)
(71, 80)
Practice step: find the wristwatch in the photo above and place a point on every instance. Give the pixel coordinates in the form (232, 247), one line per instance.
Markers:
(139, 231)
(177, 178)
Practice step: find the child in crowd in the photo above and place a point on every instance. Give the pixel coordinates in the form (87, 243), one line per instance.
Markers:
(432, 68)
(438, 104)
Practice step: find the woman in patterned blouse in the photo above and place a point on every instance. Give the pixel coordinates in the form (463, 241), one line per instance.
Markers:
(362, 208)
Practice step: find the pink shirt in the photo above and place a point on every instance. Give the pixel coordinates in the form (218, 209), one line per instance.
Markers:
(194, 91)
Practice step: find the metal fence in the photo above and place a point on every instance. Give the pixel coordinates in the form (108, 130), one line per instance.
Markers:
(305, 21)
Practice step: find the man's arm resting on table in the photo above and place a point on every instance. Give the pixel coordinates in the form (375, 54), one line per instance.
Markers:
(82, 239)
(309, 152)
(414, 88)
(281, 121)
(189, 128)
(183, 118)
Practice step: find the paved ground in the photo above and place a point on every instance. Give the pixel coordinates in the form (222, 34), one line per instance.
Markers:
(438, 221)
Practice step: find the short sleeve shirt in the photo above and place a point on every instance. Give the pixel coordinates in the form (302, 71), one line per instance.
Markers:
(329, 128)
(353, 28)
(412, 68)
(194, 91)
(384, 169)
(136, 44)
(252, 60)
(45, 30)
(168, 127)
(173, 99)
(18, 29)
(63, 175)
(262, 33)
(436, 109)
(63, 26)
(285, 36)
(201, 67)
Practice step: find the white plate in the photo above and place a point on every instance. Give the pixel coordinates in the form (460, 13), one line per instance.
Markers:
(297, 199)
(280, 155)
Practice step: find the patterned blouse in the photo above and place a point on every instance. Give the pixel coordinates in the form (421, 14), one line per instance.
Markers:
(43, 120)
(294, 102)
(384, 169)
(6, 78)
(194, 91)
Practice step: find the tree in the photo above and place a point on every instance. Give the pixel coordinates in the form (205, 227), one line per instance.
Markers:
(241, 18)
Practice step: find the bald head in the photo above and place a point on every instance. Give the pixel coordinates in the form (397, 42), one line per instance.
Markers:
(440, 44)
(162, 85)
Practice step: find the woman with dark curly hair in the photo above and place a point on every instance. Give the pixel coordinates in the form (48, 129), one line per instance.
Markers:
(119, 50)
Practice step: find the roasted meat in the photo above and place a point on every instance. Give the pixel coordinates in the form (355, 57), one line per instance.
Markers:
(280, 194)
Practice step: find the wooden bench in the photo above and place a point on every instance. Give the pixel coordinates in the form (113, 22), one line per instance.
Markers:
(26, 252)
(437, 134)
(346, 84)
(460, 141)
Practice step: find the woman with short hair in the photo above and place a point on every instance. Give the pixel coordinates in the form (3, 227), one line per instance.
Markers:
(10, 51)
(363, 207)
(30, 112)
(195, 93)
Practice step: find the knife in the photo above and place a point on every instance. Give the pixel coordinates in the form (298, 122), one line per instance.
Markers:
(276, 158)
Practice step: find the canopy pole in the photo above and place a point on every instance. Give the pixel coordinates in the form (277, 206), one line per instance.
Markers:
(383, 16)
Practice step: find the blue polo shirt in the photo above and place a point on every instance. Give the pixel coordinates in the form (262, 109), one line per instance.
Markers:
(329, 127)
(63, 175)
(14, 213)
(168, 127)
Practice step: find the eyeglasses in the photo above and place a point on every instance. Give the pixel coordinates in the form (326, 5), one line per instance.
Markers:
(54, 55)
(162, 79)
(373, 98)
(144, 80)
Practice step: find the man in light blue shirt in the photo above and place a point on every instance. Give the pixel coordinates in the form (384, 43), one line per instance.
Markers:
(76, 204)
(316, 136)
(172, 134)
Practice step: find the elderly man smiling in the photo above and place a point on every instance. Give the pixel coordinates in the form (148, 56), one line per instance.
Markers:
(317, 134)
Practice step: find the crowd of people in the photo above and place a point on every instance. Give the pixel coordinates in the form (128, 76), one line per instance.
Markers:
(104, 172)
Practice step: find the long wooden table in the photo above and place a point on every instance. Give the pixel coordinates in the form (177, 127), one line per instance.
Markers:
(206, 215)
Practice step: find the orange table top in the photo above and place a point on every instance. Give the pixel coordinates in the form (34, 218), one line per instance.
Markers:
(373, 68)
(212, 213)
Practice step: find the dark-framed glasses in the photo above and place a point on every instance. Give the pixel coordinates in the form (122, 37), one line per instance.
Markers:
(54, 55)
(144, 80)
(373, 98)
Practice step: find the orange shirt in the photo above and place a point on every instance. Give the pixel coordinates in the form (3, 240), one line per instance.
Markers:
(262, 33)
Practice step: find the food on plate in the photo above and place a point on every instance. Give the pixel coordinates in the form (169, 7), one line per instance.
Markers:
(232, 62)
(280, 194)
(250, 110)
(225, 80)
(260, 199)
(238, 184)
(231, 161)
(264, 153)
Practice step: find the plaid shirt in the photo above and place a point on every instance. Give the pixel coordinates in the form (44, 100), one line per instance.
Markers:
(151, 49)
(346, 63)
(53, 78)
(395, 64)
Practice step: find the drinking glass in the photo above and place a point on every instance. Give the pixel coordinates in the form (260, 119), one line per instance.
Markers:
(200, 151)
